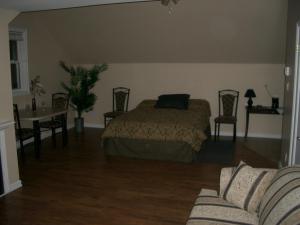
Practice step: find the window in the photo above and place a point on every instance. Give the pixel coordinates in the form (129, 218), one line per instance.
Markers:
(18, 61)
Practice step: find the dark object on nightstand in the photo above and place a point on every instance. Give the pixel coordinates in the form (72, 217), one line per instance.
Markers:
(228, 105)
(250, 94)
(120, 104)
(275, 102)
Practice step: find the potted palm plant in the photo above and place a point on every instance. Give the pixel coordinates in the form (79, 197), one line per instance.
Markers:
(79, 89)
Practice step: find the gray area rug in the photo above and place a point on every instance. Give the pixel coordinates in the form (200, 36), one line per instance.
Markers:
(221, 152)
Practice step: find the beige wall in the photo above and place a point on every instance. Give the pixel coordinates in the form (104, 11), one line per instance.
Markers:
(206, 31)
(44, 54)
(6, 113)
(148, 80)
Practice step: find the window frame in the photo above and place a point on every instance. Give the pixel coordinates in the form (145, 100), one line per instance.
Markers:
(22, 48)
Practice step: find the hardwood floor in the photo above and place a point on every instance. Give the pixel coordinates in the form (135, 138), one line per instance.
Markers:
(76, 185)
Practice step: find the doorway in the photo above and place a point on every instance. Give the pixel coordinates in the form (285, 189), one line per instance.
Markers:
(294, 156)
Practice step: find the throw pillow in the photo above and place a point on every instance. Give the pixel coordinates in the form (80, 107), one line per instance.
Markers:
(247, 186)
(174, 101)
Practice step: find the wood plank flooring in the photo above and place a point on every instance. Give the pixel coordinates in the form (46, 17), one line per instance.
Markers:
(76, 185)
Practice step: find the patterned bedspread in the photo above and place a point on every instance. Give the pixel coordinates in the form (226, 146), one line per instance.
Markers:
(148, 123)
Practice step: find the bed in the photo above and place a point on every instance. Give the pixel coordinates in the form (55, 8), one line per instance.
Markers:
(161, 134)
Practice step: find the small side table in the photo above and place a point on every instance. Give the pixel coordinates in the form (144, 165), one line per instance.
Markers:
(259, 110)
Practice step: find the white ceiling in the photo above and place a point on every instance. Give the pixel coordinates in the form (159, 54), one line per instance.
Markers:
(36, 5)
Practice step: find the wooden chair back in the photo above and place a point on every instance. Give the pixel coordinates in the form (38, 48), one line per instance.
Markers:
(228, 103)
(60, 100)
(120, 99)
(18, 126)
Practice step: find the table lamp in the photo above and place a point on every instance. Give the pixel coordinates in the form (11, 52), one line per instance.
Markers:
(250, 94)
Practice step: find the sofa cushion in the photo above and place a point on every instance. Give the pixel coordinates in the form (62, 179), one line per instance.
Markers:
(212, 210)
(281, 202)
(247, 186)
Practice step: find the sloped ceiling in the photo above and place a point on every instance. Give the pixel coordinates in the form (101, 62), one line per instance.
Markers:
(38, 5)
(213, 31)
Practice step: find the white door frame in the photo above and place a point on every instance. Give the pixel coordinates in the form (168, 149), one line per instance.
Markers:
(3, 127)
(296, 99)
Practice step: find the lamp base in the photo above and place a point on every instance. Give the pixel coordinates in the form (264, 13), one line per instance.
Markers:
(250, 102)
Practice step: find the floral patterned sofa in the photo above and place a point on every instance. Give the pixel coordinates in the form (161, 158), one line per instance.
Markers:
(279, 204)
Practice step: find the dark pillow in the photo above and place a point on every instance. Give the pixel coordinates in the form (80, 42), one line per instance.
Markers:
(174, 101)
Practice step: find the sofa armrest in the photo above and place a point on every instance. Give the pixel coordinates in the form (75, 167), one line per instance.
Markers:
(225, 176)
(208, 192)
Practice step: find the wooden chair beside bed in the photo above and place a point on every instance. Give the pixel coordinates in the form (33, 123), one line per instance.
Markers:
(228, 106)
(120, 104)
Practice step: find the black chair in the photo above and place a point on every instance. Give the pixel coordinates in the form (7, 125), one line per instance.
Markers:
(120, 104)
(228, 105)
(59, 101)
(22, 134)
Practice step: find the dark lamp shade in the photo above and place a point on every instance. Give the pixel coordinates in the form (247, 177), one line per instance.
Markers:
(250, 93)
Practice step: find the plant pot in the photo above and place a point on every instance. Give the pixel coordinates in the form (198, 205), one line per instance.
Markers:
(79, 125)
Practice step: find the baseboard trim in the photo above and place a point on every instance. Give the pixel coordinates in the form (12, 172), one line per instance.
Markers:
(254, 135)
(14, 186)
(94, 125)
(239, 134)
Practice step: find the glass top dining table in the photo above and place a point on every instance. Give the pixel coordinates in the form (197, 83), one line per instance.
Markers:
(42, 114)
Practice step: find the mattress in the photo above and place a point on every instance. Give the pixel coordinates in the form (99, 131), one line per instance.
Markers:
(153, 133)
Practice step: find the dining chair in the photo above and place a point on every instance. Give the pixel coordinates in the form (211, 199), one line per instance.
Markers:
(228, 106)
(22, 134)
(120, 103)
(59, 101)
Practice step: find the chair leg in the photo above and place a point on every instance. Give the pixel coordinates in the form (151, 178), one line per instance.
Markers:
(216, 131)
(53, 137)
(219, 125)
(22, 150)
(234, 132)
(64, 131)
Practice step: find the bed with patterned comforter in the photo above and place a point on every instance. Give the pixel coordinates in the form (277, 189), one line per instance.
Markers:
(161, 134)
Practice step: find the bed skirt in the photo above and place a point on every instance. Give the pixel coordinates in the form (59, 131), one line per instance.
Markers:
(150, 149)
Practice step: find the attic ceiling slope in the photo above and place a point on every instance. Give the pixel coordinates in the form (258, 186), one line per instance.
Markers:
(206, 31)
(34, 5)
